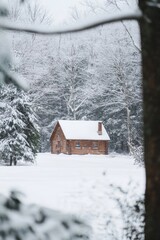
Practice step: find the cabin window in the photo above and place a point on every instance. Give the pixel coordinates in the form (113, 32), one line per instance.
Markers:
(77, 145)
(95, 145)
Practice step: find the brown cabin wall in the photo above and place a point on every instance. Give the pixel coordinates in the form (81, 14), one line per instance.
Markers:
(59, 144)
(86, 147)
(58, 141)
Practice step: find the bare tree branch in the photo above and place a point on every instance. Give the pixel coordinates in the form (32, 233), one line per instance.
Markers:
(92, 5)
(75, 14)
(81, 103)
(114, 2)
(131, 38)
(78, 26)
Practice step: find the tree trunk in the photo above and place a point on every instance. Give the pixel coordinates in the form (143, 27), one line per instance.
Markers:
(15, 161)
(128, 130)
(150, 36)
(11, 161)
(74, 114)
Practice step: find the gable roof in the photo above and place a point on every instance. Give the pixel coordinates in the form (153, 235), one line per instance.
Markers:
(82, 130)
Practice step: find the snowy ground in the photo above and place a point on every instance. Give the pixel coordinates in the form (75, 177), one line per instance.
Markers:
(74, 184)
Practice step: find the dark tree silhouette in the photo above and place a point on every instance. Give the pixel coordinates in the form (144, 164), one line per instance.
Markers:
(150, 38)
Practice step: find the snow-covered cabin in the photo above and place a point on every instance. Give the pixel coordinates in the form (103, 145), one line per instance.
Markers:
(79, 137)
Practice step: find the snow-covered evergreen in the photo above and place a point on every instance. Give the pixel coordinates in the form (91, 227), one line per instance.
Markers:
(19, 132)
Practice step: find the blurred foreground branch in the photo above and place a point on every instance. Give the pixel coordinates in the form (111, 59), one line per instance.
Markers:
(22, 221)
(79, 26)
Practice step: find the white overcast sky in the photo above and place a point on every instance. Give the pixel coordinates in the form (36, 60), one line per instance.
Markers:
(60, 9)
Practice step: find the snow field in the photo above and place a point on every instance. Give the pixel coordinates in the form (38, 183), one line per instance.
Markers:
(75, 184)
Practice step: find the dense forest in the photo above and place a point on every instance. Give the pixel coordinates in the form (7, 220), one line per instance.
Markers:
(94, 75)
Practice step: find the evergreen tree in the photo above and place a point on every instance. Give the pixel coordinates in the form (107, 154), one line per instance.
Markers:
(19, 137)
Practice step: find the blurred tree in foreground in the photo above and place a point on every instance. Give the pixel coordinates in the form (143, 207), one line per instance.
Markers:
(19, 221)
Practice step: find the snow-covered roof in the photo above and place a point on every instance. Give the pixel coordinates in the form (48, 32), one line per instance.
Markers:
(82, 130)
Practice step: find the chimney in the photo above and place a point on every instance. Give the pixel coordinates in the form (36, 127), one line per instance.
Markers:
(99, 128)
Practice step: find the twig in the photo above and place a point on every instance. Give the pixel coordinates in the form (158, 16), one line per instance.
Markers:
(132, 40)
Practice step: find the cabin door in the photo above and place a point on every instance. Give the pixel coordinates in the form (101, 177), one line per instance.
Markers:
(59, 147)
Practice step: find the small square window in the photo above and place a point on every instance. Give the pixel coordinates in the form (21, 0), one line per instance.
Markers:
(95, 145)
(77, 145)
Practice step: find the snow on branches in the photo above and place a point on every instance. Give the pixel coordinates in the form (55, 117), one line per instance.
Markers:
(32, 222)
(19, 132)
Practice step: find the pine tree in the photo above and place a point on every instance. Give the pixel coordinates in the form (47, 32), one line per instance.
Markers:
(19, 137)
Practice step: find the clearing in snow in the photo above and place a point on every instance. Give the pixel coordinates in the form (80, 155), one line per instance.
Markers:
(75, 184)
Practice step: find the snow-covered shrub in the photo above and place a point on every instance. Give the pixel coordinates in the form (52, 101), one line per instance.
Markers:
(129, 223)
(19, 221)
(138, 154)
